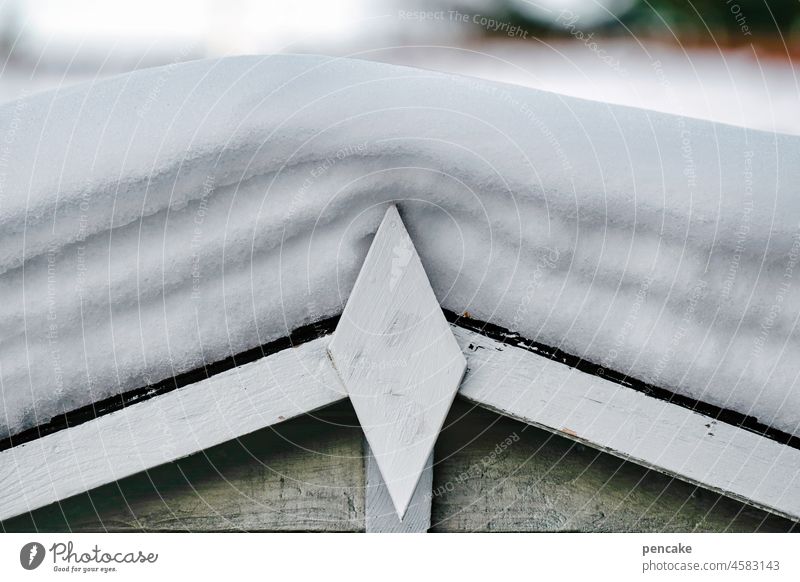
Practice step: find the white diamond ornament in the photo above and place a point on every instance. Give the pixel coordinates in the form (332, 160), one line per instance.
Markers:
(397, 358)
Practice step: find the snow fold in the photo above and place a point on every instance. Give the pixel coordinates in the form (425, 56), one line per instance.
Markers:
(170, 217)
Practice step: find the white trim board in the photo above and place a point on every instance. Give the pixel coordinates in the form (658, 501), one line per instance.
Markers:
(380, 513)
(165, 428)
(507, 379)
(631, 425)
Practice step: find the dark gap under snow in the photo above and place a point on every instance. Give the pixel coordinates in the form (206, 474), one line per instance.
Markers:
(327, 326)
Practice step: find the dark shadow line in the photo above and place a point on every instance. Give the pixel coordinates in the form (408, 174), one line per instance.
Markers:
(111, 404)
(726, 415)
(327, 326)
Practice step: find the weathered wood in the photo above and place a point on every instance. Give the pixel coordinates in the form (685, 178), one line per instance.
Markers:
(511, 380)
(162, 429)
(380, 513)
(306, 474)
(631, 425)
(542, 482)
(397, 358)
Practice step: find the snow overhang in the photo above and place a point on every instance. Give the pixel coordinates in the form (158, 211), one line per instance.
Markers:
(173, 217)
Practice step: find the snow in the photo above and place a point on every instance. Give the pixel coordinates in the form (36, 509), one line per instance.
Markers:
(169, 217)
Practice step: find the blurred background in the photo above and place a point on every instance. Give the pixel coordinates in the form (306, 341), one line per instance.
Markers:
(728, 60)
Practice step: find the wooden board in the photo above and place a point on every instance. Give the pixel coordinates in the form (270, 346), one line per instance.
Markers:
(307, 474)
(237, 402)
(496, 474)
(511, 380)
(631, 425)
(397, 358)
(380, 513)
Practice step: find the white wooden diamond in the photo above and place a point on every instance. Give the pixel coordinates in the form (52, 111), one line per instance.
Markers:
(397, 358)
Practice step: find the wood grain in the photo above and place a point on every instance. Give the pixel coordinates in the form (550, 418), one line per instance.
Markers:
(307, 474)
(397, 358)
(162, 429)
(544, 482)
(380, 513)
(515, 382)
(631, 425)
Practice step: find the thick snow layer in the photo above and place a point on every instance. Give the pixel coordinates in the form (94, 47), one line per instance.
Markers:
(155, 221)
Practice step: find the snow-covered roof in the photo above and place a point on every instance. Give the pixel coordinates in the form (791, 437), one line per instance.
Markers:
(170, 217)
